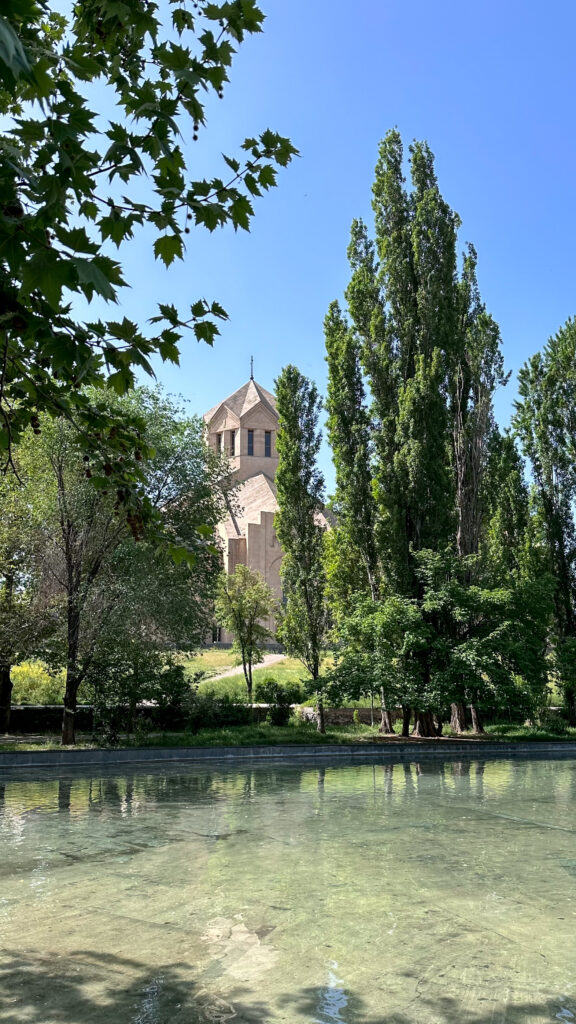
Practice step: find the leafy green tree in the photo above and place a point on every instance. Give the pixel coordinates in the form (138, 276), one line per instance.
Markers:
(379, 643)
(26, 611)
(349, 436)
(121, 595)
(510, 527)
(123, 677)
(70, 196)
(162, 605)
(345, 572)
(80, 530)
(544, 420)
(477, 371)
(34, 682)
(402, 303)
(487, 640)
(244, 601)
(299, 522)
(410, 471)
(411, 334)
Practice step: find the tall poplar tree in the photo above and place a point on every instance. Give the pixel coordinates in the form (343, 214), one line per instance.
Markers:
(298, 522)
(508, 520)
(546, 424)
(477, 372)
(349, 436)
(430, 356)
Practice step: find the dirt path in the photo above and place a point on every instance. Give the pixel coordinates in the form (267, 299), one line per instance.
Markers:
(269, 659)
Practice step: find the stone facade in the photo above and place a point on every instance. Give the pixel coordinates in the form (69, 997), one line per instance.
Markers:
(245, 425)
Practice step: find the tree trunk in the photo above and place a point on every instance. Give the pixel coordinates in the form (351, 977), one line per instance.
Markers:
(372, 708)
(477, 726)
(570, 695)
(386, 724)
(458, 717)
(69, 716)
(5, 698)
(406, 712)
(5, 667)
(68, 719)
(320, 721)
(424, 724)
(439, 724)
(247, 669)
(129, 719)
(73, 678)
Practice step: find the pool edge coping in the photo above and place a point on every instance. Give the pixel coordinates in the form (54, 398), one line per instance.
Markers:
(468, 749)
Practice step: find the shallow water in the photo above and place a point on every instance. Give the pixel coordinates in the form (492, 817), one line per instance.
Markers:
(396, 894)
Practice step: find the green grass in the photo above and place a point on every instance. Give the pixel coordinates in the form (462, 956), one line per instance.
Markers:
(240, 735)
(46, 743)
(211, 660)
(289, 670)
(506, 731)
(263, 734)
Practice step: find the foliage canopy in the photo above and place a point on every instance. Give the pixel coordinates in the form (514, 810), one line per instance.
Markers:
(70, 195)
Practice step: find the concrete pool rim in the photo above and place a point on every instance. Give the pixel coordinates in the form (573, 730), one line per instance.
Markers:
(292, 754)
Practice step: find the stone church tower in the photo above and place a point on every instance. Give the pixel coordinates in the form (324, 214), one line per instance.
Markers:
(245, 426)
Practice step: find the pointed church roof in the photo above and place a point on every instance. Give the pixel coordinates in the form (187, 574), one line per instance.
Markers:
(239, 403)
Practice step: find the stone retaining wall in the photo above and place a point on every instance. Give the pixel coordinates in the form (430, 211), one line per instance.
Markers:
(383, 753)
(40, 718)
(342, 716)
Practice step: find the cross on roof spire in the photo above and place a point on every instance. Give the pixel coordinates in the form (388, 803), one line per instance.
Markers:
(251, 367)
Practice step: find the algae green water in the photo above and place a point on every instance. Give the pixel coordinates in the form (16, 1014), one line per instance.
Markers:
(397, 894)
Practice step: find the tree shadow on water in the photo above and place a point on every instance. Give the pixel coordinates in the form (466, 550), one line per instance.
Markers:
(91, 988)
(311, 1006)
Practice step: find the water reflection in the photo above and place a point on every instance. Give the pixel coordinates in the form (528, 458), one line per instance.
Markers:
(332, 1000)
(377, 894)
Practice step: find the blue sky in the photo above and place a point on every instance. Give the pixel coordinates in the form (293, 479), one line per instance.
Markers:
(491, 86)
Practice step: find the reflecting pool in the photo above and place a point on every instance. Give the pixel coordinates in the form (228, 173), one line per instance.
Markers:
(373, 894)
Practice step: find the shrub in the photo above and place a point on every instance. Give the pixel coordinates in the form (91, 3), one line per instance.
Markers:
(34, 683)
(553, 722)
(206, 711)
(120, 682)
(171, 686)
(279, 697)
